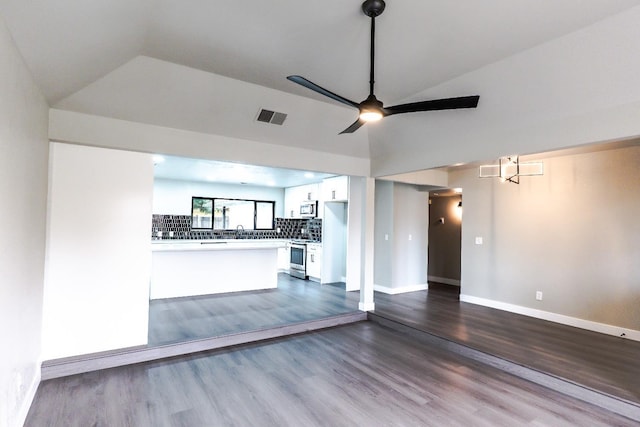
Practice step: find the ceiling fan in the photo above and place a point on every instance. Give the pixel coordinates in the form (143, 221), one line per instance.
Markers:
(371, 109)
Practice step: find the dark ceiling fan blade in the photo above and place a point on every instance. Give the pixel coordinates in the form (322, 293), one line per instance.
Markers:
(433, 105)
(314, 87)
(354, 127)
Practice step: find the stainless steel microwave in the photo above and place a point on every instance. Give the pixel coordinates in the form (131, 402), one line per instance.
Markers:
(309, 209)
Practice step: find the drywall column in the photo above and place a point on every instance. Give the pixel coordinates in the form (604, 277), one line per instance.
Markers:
(360, 239)
(98, 259)
(355, 209)
(366, 289)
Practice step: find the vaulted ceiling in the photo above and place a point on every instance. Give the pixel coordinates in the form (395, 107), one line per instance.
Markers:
(209, 65)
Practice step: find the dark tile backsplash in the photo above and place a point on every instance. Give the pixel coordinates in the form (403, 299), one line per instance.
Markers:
(178, 227)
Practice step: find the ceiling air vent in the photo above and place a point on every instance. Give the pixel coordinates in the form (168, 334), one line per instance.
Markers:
(273, 117)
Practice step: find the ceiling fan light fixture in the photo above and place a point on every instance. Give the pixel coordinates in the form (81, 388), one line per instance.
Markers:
(370, 115)
(371, 109)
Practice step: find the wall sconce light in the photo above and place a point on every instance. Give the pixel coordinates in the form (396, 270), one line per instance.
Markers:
(511, 169)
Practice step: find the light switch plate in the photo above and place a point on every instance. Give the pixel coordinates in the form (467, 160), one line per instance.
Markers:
(478, 240)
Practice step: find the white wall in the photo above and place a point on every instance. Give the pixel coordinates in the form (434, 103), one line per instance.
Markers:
(578, 89)
(402, 214)
(572, 233)
(23, 194)
(150, 90)
(98, 250)
(411, 223)
(68, 126)
(384, 237)
(173, 197)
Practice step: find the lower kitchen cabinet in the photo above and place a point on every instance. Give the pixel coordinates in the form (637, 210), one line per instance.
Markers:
(314, 261)
(284, 258)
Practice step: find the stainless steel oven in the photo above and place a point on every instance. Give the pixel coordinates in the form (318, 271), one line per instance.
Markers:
(298, 261)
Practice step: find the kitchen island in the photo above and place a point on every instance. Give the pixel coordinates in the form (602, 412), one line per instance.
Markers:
(189, 268)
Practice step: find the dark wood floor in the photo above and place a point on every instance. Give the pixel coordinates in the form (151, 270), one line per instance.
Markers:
(183, 319)
(358, 375)
(363, 374)
(601, 362)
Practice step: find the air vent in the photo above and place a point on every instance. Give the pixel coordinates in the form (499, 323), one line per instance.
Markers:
(273, 117)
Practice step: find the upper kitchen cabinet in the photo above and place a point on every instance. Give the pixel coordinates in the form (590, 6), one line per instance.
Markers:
(335, 189)
(295, 196)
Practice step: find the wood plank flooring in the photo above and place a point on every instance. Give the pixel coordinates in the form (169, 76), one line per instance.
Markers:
(358, 375)
(601, 362)
(294, 301)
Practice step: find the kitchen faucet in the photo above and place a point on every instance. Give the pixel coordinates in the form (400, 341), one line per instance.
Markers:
(238, 229)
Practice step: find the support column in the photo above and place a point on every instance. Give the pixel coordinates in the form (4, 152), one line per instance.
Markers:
(366, 287)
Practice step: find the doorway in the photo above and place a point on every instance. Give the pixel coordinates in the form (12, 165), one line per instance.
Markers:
(444, 237)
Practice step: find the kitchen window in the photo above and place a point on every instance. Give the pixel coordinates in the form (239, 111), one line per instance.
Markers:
(232, 214)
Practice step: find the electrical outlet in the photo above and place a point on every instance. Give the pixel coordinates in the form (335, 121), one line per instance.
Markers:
(410, 237)
(539, 295)
(386, 237)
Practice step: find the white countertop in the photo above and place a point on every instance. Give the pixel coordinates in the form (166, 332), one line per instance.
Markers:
(217, 244)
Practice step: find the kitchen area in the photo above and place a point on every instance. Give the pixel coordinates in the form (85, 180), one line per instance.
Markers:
(125, 258)
(216, 243)
(286, 232)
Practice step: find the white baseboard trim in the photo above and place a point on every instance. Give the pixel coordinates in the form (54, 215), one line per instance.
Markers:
(28, 398)
(366, 306)
(454, 282)
(589, 325)
(401, 289)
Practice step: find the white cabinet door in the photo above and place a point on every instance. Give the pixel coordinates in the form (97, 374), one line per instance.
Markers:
(310, 192)
(314, 260)
(335, 189)
(293, 196)
(289, 198)
(284, 258)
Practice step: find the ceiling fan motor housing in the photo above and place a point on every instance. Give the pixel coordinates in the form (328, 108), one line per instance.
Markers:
(371, 103)
(373, 8)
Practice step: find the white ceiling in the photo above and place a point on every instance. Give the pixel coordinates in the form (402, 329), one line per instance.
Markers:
(420, 43)
(186, 64)
(180, 168)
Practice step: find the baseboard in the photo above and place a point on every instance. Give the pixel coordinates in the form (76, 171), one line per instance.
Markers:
(28, 398)
(589, 325)
(366, 306)
(128, 356)
(454, 282)
(401, 289)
